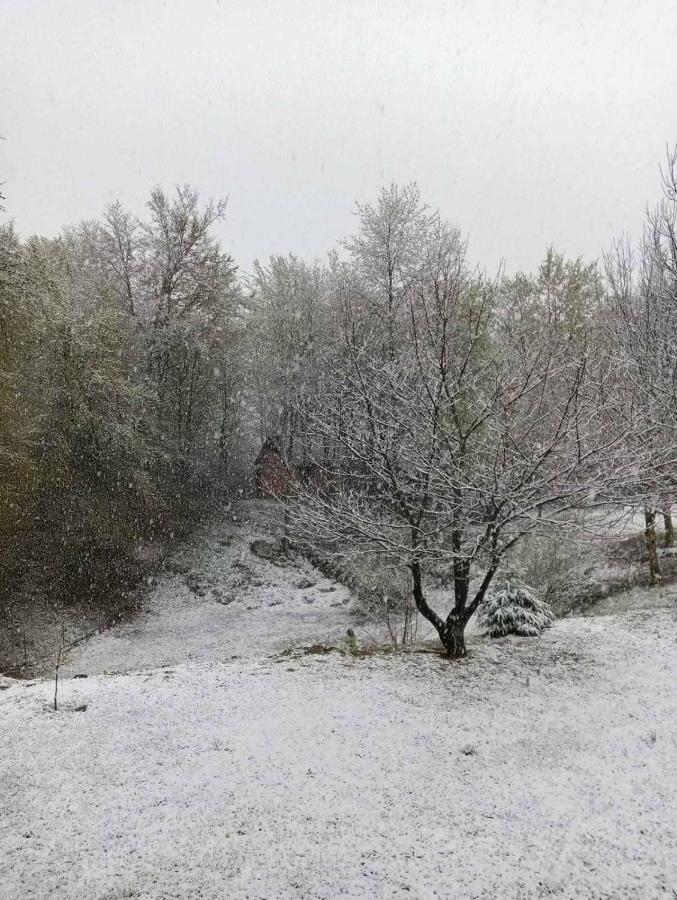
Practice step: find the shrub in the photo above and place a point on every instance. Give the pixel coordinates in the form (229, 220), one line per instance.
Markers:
(513, 610)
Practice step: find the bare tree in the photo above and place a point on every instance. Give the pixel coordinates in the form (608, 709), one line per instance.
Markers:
(387, 250)
(189, 294)
(446, 453)
(643, 330)
(288, 325)
(644, 292)
(123, 248)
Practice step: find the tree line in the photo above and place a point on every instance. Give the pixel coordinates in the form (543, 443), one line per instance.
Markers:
(450, 413)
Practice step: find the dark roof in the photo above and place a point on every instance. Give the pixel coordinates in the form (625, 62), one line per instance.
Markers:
(270, 445)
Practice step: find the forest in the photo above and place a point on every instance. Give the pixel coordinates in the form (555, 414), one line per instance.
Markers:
(447, 412)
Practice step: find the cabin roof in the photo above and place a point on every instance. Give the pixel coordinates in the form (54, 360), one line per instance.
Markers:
(270, 445)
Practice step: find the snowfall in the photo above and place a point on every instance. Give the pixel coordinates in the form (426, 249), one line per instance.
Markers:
(208, 754)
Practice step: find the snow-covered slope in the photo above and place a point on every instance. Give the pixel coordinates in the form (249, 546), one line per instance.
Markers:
(219, 600)
(534, 768)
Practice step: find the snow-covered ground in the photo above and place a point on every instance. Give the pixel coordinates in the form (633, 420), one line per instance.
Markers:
(218, 600)
(534, 768)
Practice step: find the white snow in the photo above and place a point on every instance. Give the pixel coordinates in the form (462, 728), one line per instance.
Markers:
(536, 767)
(222, 602)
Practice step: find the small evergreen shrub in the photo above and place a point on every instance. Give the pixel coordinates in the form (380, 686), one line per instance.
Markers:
(513, 610)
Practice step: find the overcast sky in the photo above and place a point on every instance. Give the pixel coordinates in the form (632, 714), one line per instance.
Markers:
(526, 123)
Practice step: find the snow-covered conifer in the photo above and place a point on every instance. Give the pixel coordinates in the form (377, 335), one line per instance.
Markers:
(513, 609)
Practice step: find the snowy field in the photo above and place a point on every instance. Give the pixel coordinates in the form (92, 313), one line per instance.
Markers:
(534, 768)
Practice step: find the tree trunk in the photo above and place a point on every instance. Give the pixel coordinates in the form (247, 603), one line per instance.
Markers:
(451, 630)
(453, 637)
(669, 539)
(652, 552)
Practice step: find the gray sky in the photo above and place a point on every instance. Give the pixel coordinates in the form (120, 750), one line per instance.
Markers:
(525, 122)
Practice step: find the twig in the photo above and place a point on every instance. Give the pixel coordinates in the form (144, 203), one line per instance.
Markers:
(58, 665)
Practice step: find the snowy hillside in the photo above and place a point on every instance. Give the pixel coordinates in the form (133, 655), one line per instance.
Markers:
(219, 600)
(534, 768)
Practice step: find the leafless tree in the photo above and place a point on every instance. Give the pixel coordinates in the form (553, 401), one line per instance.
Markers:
(287, 326)
(446, 453)
(123, 248)
(386, 251)
(643, 329)
(189, 292)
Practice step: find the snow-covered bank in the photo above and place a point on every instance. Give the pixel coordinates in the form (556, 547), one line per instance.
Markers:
(218, 600)
(534, 768)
